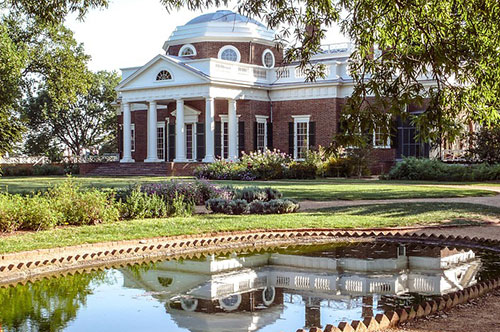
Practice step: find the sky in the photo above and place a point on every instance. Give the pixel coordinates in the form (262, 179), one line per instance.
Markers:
(129, 33)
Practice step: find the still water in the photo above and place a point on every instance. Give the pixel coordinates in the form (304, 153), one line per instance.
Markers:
(276, 290)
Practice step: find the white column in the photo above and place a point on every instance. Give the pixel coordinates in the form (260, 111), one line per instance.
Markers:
(209, 130)
(152, 148)
(127, 135)
(232, 124)
(180, 133)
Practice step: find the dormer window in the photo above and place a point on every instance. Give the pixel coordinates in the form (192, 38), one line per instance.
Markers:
(164, 75)
(187, 50)
(268, 59)
(229, 53)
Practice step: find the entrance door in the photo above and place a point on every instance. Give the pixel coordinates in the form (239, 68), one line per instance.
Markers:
(190, 141)
(408, 144)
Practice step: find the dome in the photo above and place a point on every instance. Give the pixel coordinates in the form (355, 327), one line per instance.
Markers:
(222, 25)
(224, 16)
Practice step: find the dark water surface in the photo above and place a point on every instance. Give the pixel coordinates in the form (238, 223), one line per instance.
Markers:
(268, 291)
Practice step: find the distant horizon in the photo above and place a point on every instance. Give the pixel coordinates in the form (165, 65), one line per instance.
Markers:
(129, 33)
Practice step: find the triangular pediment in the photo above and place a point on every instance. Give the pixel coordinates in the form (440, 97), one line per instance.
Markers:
(146, 76)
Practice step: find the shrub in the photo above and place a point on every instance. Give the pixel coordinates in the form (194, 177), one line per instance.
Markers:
(38, 213)
(299, 170)
(272, 193)
(180, 207)
(217, 205)
(17, 170)
(435, 170)
(79, 207)
(48, 169)
(237, 206)
(258, 207)
(10, 212)
(142, 205)
(251, 194)
(281, 206)
(267, 164)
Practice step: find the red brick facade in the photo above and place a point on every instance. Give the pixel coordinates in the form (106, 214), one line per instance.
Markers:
(325, 113)
(251, 53)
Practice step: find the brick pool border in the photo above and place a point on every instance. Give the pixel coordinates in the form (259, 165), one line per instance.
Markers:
(23, 266)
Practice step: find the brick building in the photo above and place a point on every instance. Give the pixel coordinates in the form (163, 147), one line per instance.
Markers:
(220, 88)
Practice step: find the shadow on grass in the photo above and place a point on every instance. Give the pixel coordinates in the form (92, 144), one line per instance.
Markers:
(412, 209)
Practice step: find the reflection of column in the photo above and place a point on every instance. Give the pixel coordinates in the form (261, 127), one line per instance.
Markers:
(152, 133)
(180, 137)
(209, 130)
(367, 307)
(232, 124)
(127, 135)
(313, 312)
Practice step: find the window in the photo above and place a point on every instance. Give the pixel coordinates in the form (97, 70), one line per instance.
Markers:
(379, 141)
(224, 136)
(160, 140)
(268, 59)
(301, 136)
(132, 137)
(164, 75)
(229, 53)
(187, 50)
(261, 132)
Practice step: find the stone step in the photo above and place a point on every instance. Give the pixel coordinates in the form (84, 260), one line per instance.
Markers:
(140, 168)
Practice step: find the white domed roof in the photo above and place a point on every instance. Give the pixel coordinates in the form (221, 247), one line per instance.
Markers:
(222, 25)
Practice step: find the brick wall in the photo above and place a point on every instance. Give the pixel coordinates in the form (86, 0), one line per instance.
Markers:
(324, 112)
(250, 52)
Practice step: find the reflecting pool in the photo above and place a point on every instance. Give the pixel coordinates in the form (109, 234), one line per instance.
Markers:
(276, 290)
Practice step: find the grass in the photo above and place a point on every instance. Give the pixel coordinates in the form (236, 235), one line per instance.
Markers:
(343, 217)
(319, 190)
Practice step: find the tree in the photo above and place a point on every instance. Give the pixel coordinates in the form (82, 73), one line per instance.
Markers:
(86, 123)
(12, 61)
(455, 43)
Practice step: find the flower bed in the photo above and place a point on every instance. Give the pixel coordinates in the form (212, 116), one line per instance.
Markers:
(253, 200)
(270, 165)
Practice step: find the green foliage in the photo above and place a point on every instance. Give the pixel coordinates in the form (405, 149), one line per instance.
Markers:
(485, 145)
(300, 170)
(83, 207)
(88, 122)
(267, 164)
(48, 304)
(225, 206)
(142, 205)
(435, 170)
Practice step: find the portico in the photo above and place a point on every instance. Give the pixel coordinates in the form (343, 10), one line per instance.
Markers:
(187, 129)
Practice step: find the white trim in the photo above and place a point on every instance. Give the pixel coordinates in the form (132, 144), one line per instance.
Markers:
(161, 124)
(184, 47)
(266, 51)
(229, 47)
(190, 114)
(299, 119)
(387, 144)
(194, 143)
(224, 118)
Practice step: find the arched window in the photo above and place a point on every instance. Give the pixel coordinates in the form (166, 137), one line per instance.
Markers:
(268, 59)
(164, 75)
(229, 53)
(187, 50)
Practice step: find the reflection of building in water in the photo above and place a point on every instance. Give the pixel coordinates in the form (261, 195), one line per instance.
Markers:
(362, 275)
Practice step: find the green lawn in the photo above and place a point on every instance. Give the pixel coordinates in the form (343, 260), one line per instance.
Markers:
(345, 217)
(322, 189)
